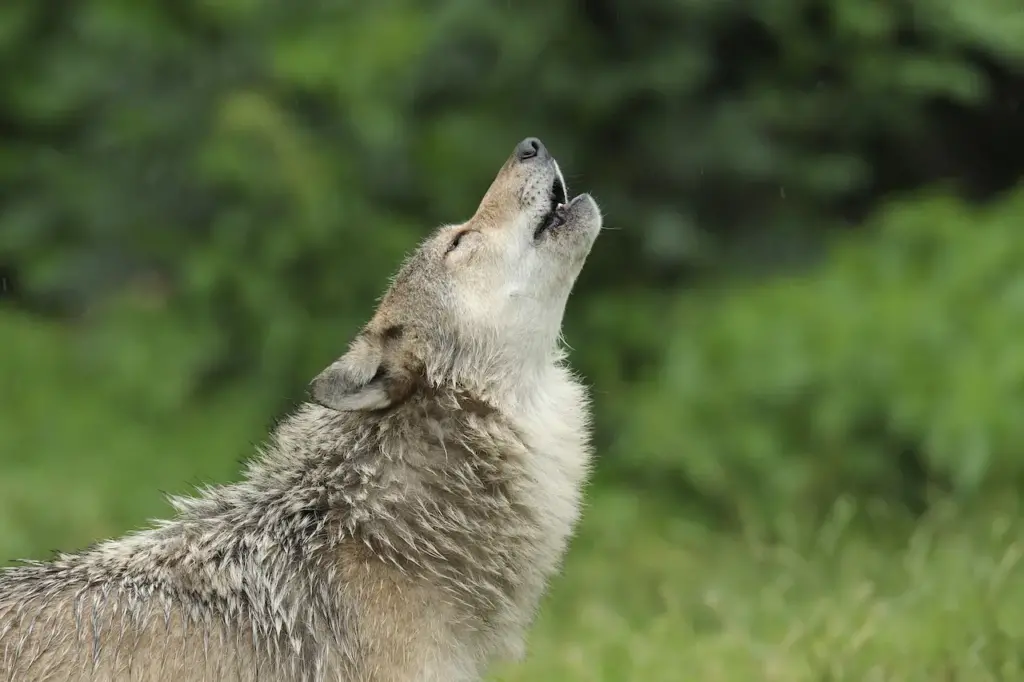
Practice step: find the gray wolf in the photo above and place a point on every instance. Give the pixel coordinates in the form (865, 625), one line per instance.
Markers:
(400, 525)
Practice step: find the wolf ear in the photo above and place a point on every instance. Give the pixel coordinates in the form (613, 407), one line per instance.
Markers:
(355, 381)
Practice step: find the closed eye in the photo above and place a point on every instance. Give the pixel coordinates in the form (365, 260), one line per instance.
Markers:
(456, 240)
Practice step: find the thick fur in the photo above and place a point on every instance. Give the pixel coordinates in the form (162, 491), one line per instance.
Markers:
(400, 526)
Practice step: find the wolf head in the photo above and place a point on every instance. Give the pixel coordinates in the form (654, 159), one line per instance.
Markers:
(478, 306)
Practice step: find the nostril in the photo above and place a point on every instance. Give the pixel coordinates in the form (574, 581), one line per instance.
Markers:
(529, 148)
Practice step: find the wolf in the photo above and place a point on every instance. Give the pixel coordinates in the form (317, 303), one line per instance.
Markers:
(401, 524)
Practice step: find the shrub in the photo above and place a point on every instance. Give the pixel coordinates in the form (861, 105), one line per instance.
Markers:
(894, 367)
(257, 168)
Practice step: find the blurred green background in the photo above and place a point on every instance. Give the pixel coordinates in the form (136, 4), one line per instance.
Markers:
(804, 326)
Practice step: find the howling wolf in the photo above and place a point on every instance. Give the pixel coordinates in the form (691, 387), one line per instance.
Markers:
(399, 526)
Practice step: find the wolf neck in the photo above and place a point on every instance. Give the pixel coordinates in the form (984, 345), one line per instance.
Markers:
(506, 376)
(472, 487)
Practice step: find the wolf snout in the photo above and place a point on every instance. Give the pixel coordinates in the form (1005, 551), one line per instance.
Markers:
(530, 148)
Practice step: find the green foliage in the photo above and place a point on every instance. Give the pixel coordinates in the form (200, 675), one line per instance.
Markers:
(80, 462)
(892, 368)
(254, 170)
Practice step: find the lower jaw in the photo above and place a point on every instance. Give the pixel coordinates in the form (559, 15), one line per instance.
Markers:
(554, 219)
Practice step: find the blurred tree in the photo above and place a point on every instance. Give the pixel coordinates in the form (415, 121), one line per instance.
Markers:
(891, 371)
(221, 188)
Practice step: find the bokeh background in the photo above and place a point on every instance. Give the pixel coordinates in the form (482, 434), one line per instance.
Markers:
(804, 325)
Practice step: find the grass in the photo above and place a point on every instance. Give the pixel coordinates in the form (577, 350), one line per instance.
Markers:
(647, 594)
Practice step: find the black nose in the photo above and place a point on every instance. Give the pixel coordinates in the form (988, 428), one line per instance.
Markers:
(529, 148)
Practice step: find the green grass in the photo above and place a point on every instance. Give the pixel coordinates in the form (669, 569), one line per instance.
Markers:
(646, 595)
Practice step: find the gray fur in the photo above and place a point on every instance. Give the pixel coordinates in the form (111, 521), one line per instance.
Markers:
(401, 527)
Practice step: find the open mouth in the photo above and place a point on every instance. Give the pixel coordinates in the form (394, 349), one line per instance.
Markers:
(556, 213)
